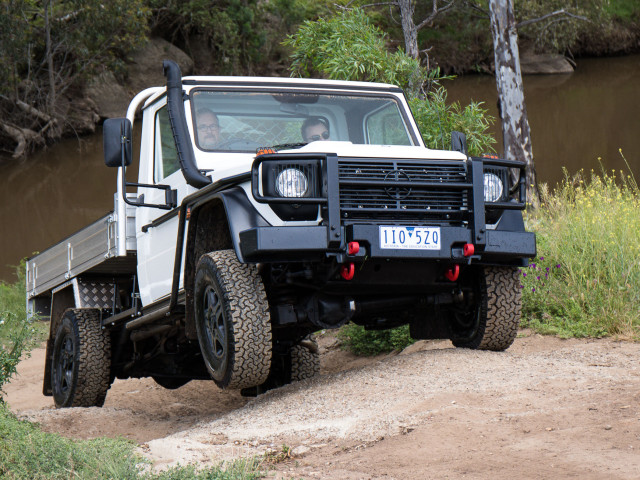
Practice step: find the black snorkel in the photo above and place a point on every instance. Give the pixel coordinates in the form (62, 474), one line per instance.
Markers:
(178, 121)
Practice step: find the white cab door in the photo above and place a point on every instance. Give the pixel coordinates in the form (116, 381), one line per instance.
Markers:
(157, 244)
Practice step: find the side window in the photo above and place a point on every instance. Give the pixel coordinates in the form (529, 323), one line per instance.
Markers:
(385, 126)
(165, 152)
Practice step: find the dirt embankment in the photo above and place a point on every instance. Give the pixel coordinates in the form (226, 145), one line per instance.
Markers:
(546, 408)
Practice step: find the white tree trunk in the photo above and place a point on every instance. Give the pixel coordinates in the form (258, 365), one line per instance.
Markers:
(515, 124)
(407, 8)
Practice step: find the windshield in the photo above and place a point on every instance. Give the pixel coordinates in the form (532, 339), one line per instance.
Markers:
(244, 121)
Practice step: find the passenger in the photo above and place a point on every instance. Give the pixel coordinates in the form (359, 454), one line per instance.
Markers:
(315, 129)
(208, 128)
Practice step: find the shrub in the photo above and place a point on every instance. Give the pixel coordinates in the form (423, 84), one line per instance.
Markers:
(586, 279)
(16, 332)
(348, 46)
(373, 342)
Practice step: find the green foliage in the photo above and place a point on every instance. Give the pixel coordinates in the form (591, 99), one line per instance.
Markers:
(347, 46)
(49, 49)
(243, 35)
(559, 32)
(624, 9)
(30, 454)
(85, 35)
(17, 334)
(373, 342)
(228, 27)
(437, 120)
(241, 469)
(586, 279)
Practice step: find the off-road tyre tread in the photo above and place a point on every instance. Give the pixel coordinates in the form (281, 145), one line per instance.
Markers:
(500, 310)
(305, 363)
(247, 307)
(93, 359)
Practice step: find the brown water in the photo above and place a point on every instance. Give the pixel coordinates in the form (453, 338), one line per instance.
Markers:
(575, 119)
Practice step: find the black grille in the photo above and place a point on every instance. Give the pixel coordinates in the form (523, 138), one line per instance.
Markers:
(401, 189)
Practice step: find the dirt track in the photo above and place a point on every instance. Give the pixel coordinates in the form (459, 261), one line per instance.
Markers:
(546, 408)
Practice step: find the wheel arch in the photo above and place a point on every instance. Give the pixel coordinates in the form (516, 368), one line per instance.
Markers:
(215, 224)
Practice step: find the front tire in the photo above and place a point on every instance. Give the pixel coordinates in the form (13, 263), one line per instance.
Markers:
(81, 361)
(232, 321)
(493, 322)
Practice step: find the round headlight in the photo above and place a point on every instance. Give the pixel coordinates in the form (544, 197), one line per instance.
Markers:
(292, 183)
(492, 187)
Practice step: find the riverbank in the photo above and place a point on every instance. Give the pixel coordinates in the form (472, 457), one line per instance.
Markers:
(458, 42)
(470, 50)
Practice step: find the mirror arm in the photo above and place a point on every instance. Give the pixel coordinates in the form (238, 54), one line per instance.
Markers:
(170, 195)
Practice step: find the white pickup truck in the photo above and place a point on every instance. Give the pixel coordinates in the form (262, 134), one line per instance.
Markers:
(267, 209)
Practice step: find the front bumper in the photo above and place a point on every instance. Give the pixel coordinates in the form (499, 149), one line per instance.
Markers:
(357, 195)
(286, 244)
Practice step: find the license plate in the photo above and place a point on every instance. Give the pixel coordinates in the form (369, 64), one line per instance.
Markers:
(410, 238)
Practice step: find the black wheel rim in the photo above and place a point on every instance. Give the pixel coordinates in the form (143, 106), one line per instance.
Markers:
(214, 324)
(465, 322)
(64, 365)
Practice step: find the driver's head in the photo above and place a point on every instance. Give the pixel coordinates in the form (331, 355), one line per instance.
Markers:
(208, 128)
(315, 129)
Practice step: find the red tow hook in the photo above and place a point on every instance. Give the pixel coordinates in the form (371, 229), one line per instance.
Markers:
(468, 249)
(353, 248)
(453, 273)
(348, 271)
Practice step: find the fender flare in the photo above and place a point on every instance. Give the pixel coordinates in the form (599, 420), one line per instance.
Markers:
(231, 207)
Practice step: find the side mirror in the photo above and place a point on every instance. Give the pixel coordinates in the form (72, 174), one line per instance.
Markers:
(459, 142)
(116, 141)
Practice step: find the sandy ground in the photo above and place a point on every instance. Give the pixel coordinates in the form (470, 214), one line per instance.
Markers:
(545, 408)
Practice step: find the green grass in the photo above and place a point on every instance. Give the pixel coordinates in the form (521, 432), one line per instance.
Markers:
(373, 342)
(17, 335)
(586, 279)
(624, 9)
(28, 453)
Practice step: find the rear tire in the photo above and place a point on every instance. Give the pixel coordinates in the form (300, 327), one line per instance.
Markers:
(305, 359)
(493, 323)
(296, 363)
(81, 361)
(232, 321)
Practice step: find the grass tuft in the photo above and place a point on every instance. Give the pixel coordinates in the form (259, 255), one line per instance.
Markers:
(373, 342)
(26, 452)
(586, 279)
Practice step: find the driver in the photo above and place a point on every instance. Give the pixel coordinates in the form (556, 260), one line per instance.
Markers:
(315, 129)
(208, 128)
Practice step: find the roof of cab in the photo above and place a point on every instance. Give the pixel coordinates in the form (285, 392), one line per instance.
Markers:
(286, 81)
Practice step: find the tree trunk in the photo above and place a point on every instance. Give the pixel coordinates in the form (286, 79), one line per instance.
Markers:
(48, 12)
(407, 7)
(513, 112)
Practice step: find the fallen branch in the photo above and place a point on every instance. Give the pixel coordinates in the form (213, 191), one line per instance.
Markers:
(23, 137)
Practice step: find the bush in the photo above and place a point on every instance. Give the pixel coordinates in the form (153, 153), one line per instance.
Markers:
(348, 46)
(28, 453)
(16, 332)
(373, 342)
(586, 279)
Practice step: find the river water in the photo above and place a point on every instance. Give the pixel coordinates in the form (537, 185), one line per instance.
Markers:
(575, 120)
